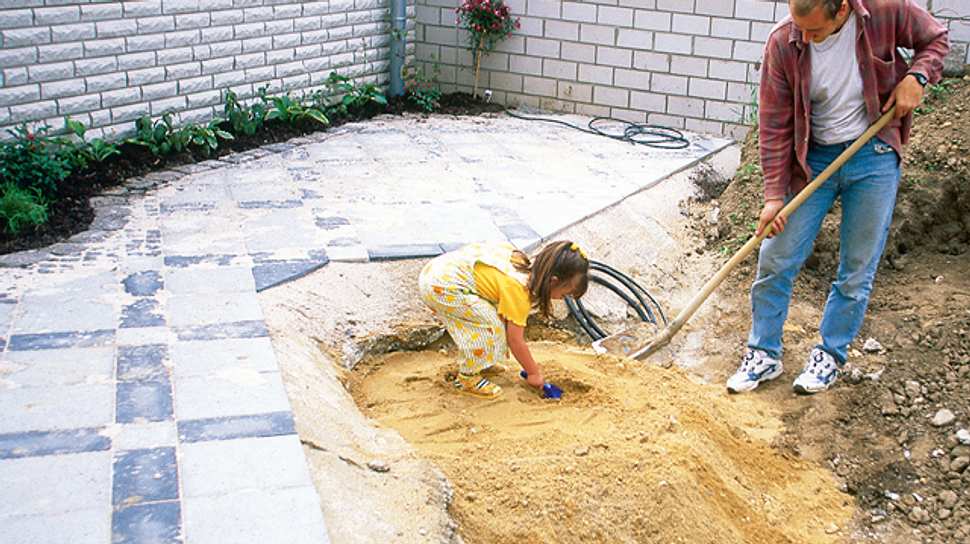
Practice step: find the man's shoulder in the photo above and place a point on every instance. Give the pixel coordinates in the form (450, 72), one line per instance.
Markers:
(781, 33)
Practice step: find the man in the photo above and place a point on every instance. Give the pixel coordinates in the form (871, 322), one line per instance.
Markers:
(830, 70)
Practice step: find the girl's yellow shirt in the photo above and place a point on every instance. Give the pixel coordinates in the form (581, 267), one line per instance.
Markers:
(509, 296)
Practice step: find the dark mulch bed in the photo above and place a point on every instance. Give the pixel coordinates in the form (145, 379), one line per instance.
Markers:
(72, 213)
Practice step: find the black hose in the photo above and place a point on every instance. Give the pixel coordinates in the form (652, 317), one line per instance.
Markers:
(635, 133)
(646, 307)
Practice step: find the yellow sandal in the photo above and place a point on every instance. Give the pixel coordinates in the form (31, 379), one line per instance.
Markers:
(477, 386)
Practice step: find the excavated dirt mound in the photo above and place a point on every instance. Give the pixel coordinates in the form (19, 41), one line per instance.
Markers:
(632, 453)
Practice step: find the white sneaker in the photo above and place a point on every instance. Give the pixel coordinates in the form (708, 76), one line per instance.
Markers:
(820, 372)
(756, 367)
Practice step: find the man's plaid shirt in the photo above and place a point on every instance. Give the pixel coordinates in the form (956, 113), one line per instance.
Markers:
(784, 102)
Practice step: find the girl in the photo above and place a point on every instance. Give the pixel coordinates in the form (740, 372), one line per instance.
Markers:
(483, 292)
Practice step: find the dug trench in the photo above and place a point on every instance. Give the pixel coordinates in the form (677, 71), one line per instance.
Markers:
(634, 452)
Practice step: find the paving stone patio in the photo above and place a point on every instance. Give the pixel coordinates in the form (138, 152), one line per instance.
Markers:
(140, 393)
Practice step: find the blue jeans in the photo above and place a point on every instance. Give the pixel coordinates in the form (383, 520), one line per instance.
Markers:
(867, 185)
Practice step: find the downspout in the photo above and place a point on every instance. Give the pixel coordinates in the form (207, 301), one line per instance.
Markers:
(399, 22)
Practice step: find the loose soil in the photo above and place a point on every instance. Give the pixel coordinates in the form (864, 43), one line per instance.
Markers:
(71, 213)
(632, 453)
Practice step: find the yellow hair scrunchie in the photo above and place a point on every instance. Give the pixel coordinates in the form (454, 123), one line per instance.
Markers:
(575, 247)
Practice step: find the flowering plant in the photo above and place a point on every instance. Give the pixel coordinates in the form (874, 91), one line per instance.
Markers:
(487, 22)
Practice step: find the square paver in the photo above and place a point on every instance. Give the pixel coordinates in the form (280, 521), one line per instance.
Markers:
(38, 443)
(208, 309)
(195, 233)
(146, 475)
(218, 331)
(143, 435)
(66, 311)
(91, 526)
(226, 466)
(223, 279)
(140, 402)
(158, 523)
(274, 230)
(57, 366)
(144, 312)
(229, 428)
(56, 407)
(253, 516)
(216, 356)
(142, 363)
(60, 340)
(230, 392)
(55, 484)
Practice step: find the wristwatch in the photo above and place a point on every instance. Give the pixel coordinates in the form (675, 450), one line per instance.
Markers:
(920, 78)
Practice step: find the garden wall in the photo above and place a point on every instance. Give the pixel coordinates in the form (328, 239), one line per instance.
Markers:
(683, 63)
(106, 63)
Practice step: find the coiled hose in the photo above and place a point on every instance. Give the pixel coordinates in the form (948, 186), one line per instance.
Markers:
(635, 133)
(623, 286)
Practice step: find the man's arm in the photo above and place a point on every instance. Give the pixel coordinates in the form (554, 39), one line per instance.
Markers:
(921, 32)
(776, 131)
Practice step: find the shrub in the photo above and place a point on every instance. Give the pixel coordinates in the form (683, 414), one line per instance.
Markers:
(21, 207)
(31, 160)
(421, 90)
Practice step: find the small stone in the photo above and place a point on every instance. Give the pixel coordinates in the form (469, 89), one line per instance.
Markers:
(581, 451)
(943, 418)
(872, 346)
(948, 498)
(890, 495)
(944, 513)
(963, 437)
(917, 515)
(938, 279)
(913, 389)
(471, 497)
(378, 466)
(959, 464)
(831, 529)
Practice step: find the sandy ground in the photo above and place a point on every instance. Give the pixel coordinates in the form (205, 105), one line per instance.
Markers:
(632, 453)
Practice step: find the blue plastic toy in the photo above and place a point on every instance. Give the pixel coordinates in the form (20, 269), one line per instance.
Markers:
(549, 391)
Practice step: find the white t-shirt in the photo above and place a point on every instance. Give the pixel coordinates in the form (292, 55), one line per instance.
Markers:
(838, 107)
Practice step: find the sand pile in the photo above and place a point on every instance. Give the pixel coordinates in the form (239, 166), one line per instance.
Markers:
(633, 453)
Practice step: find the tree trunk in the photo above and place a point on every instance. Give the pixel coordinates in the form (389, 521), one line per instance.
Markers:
(478, 62)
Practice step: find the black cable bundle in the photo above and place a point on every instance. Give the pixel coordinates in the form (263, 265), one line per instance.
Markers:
(635, 133)
(623, 286)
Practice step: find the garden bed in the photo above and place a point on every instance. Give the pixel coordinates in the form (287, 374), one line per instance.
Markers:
(71, 213)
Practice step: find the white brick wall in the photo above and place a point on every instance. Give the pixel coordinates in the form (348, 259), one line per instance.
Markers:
(686, 63)
(106, 63)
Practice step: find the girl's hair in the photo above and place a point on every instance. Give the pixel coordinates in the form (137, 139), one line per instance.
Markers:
(804, 7)
(563, 260)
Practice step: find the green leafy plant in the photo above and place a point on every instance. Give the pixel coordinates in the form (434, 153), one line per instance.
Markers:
(293, 111)
(161, 137)
(421, 90)
(207, 136)
(353, 98)
(487, 23)
(85, 152)
(32, 160)
(243, 119)
(21, 207)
